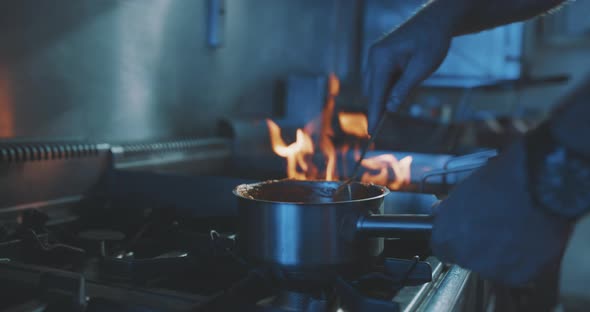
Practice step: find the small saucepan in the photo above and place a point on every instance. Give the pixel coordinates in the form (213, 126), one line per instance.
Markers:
(297, 226)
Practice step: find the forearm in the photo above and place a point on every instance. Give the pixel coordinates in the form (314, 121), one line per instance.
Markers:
(469, 16)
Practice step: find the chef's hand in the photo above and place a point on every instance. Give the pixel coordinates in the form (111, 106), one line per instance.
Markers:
(489, 225)
(400, 61)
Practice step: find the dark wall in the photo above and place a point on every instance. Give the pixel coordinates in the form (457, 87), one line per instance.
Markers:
(142, 69)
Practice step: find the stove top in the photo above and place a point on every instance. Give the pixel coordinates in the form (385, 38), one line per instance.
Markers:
(81, 229)
(131, 252)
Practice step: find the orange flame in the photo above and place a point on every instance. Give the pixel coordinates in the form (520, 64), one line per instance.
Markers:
(384, 169)
(354, 124)
(387, 164)
(327, 133)
(296, 152)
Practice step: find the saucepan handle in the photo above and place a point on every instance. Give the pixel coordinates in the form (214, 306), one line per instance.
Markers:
(395, 226)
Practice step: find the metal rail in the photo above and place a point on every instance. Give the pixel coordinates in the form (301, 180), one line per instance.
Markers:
(477, 160)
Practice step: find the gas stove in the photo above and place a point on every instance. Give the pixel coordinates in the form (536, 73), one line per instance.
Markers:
(150, 259)
(121, 240)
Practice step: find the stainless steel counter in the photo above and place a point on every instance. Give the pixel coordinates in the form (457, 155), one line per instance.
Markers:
(452, 289)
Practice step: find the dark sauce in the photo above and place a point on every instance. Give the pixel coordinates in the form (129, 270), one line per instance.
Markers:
(293, 191)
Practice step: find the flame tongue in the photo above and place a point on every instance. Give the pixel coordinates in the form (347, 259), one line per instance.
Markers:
(384, 169)
(387, 166)
(354, 124)
(327, 133)
(296, 153)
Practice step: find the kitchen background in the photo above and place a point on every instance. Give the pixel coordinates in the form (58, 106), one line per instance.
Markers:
(130, 70)
(155, 78)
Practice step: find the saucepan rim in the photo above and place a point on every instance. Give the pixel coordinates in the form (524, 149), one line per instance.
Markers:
(385, 192)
